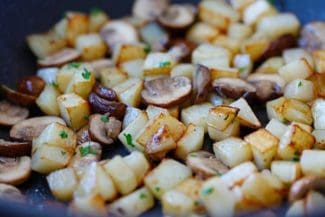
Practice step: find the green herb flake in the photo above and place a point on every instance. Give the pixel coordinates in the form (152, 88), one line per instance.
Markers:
(86, 117)
(226, 117)
(84, 151)
(157, 189)
(218, 173)
(207, 191)
(63, 153)
(147, 49)
(165, 64)
(104, 118)
(63, 134)
(143, 196)
(86, 74)
(196, 203)
(54, 84)
(128, 138)
(95, 11)
(193, 155)
(242, 69)
(296, 157)
(299, 84)
(74, 65)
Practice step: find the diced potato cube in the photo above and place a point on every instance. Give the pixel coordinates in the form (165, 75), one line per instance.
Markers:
(138, 163)
(211, 56)
(62, 183)
(274, 109)
(293, 54)
(134, 204)
(294, 141)
(220, 117)
(232, 130)
(220, 72)
(133, 68)
(246, 115)
(296, 209)
(298, 69)
(255, 47)
(191, 141)
(91, 46)
(154, 111)
(276, 127)
(231, 44)
(313, 162)
(177, 204)
(130, 115)
(319, 58)
(93, 205)
(97, 19)
(185, 70)
(244, 64)
(161, 179)
(239, 31)
(318, 111)
(127, 52)
(158, 64)
(123, 177)
(300, 89)
(255, 11)
(232, 151)
(319, 138)
(73, 110)
(191, 187)
(271, 66)
(264, 146)
(129, 91)
(46, 101)
(202, 32)
(295, 110)
(240, 5)
(287, 171)
(111, 77)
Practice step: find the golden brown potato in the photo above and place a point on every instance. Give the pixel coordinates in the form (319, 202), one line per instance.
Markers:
(202, 32)
(128, 52)
(319, 58)
(91, 46)
(110, 77)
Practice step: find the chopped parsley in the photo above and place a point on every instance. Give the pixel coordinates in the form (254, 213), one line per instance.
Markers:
(157, 189)
(95, 11)
(86, 74)
(226, 117)
(104, 118)
(296, 157)
(164, 64)
(193, 155)
(143, 196)
(242, 69)
(128, 138)
(54, 84)
(63, 134)
(86, 117)
(63, 153)
(207, 191)
(299, 84)
(147, 49)
(84, 151)
(74, 65)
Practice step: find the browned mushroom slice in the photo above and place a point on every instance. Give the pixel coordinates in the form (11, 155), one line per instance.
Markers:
(105, 93)
(17, 97)
(119, 31)
(313, 36)
(31, 85)
(14, 149)
(177, 18)
(104, 129)
(201, 83)
(181, 49)
(266, 90)
(102, 106)
(59, 58)
(149, 9)
(205, 164)
(83, 135)
(155, 36)
(28, 129)
(14, 171)
(300, 188)
(11, 114)
(166, 92)
(233, 88)
(11, 193)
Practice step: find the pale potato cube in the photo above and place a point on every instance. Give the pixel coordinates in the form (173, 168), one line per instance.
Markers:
(217, 198)
(255, 47)
(91, 46)
(184, 69)
(62, 183)
(274, 109)
(232, 151)
(255, 11)
(296, 209)
(271, 66)
(293, 54)
(130, 115)
(313, 162)
(129, 91)
(314, 205)
(276, 127)
(97, 19)
(239, 31)
(48, 74)
(46, 101)
(264, 147)
(319, 136)
(128, 52)
(318, 112)
(133, 204)
(73, 110)
(154, 111)
(233, 45)
(246, 115)
(239, 5)
(287, 171)
(110, 77)
(191, 187)
(197, 115)
(232, 130)
(177, 204)
(93, 205)
(202, 32)
(133, 68)
(295, 110)
(138, 163)
(191, 141)
(105, 185)
(300, 89)
(220, 117)
(123, 177)
(298, 69)
(319, 58)
(211, 56)
(221, 72)
(158, 64)
(161, 179)
(244, 64)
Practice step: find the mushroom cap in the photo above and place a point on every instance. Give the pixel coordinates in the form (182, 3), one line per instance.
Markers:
(177, 17)
(233, 88)
(300, 188)
(166, 92)
(14, 171)
(60, 58)
(266, 90)
(14, 149)
(10, 192)
(149, 9)
(83, 135)
(17, 97)
(30, 128)
(201, 83)
(105, 93)
(31, 85)
(11, 114)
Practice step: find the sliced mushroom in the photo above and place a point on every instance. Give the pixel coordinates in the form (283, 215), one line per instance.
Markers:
(266, 90)
(14, 171)
(14, 149)
(167, 92)
(104, 129)
(201, 83)
(28, 129)
(102, 106)
(149, 9)
(83, 135)
(11, 114)
(118, 31)
(105, 93)
(177, 18)
(233, 88)
(59, 58)
(155, 36)
(181, 49)
(31, 85)
(205, 165)
(11, 193)
(300, 188)
(17, 97)
(313, 36)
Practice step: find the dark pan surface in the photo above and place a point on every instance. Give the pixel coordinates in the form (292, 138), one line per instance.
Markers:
(19, 18)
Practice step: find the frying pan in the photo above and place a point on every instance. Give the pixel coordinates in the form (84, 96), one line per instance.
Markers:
(19, 18)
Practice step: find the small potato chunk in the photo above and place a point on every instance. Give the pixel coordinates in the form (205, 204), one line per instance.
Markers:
(298, 69)
(318, 112)
(319, 58)
(239, 31)
(123, 177)
(134, 204)
(138, 163)
(255, 47)
(233, 45)
(97, 19)
(131, 114)
(91, 46)
(197, 115)
(191, 141)
(133, 68)
(296, 209)
(232, 130)
(220, 117)
(73, 110)
(314, 203)
(62, 183)
(244, 64)
(232, 151)
(287, 171)
(93, 205)
(154, 111)
(295, 110)
(217, 13)
(301, 90)
(111, 77)
(246, 115)
(271, 65)
(276, 127)
(65, 74)
(128, 52)
(223, 72)
(240, 5)
(158, 64)
(177, 204)
(129, 91)
(217, 198)
(313, 162)
(46, 101)
(161, 179)
(211, 56)
(294, 140)
(202, 32)
(293, 54)
(319, 138)
(255, 11)
(184, 69)
(274, 109)
(264, 146)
